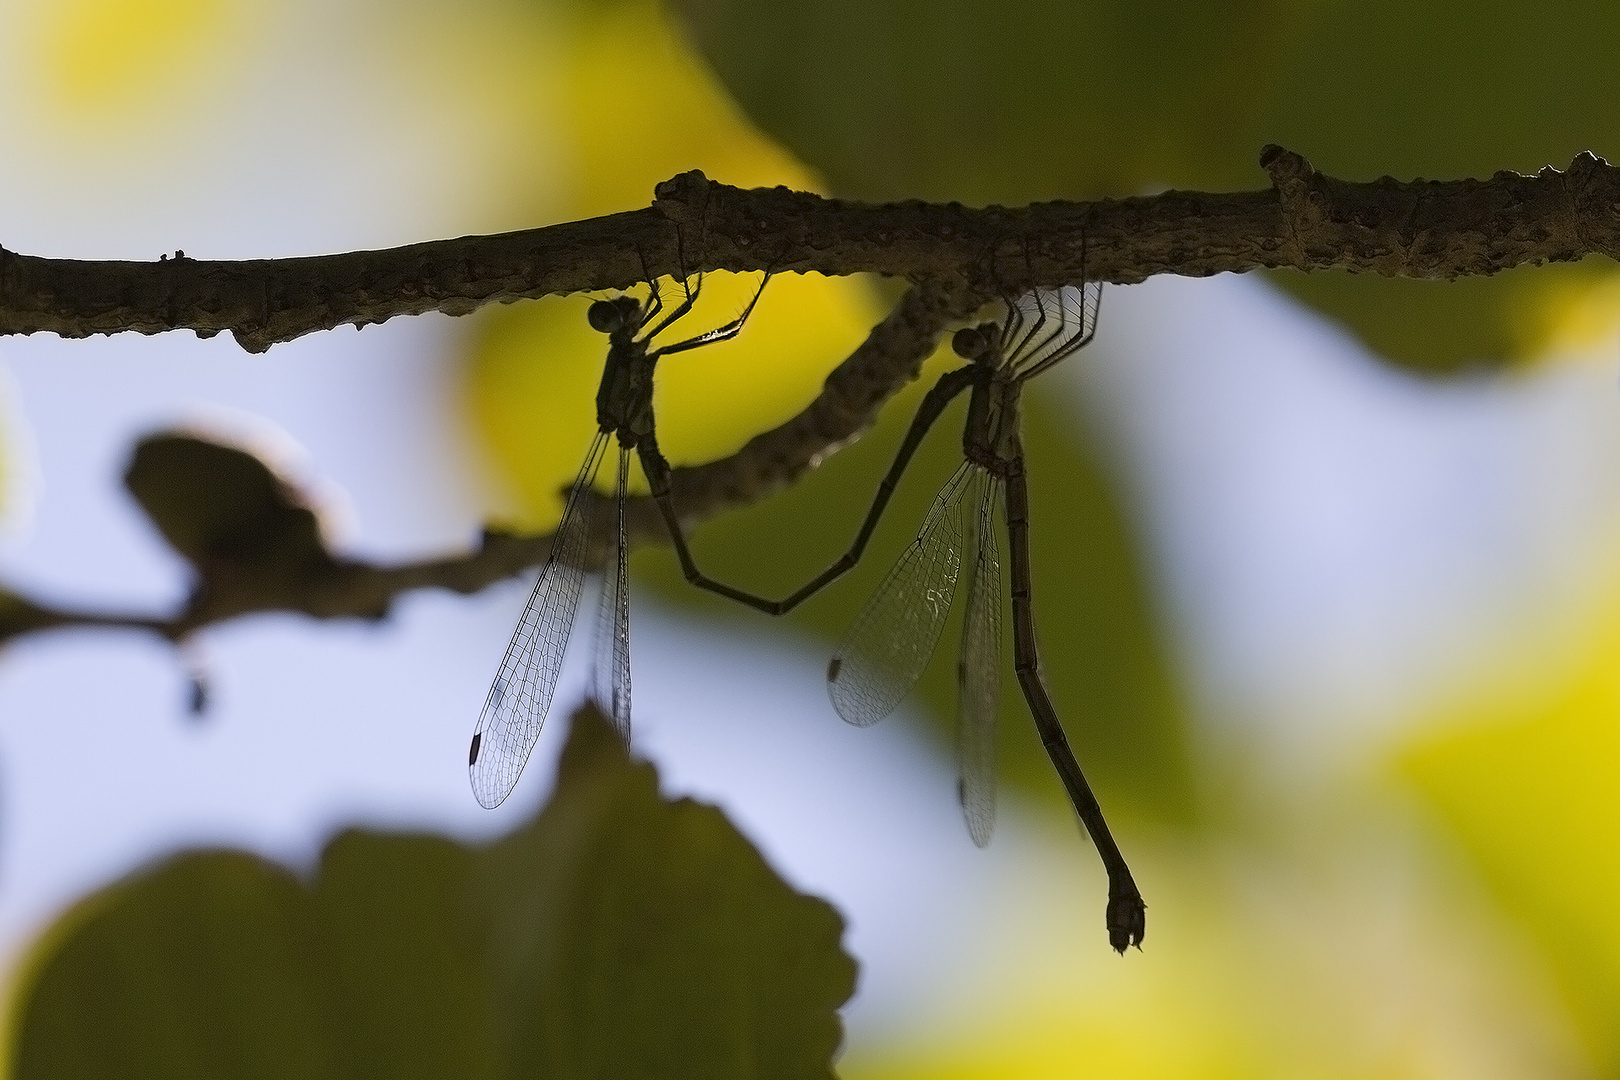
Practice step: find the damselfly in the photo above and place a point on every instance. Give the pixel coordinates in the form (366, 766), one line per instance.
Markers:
(891, 641)
(521, 695)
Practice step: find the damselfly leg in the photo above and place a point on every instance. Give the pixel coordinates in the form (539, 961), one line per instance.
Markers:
(933, 404)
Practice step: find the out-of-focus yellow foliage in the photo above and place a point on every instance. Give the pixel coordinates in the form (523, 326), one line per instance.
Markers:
(1332, 947)
(112, 60)
(640, 109)
(1572, 315)
(1523, 771)
(1069, 1009)
(641, 106)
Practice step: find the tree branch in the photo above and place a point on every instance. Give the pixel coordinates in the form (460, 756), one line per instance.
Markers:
(1426, 229)
(955, 257)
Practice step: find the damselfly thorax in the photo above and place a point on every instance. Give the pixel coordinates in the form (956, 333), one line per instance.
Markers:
(990, 438)
(624, 398)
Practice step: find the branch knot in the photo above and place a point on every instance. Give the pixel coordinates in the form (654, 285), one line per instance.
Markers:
(1299, 202)
(1594, 196)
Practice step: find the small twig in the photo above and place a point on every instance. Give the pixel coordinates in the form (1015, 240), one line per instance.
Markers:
(855, 391)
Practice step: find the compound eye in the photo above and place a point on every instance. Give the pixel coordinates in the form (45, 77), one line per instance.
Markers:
(969, 343)
(605, 316)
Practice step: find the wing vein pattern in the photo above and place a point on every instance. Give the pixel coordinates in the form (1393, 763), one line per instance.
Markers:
(521, 695)
(892, 639)
(979, 673)
(612, 675)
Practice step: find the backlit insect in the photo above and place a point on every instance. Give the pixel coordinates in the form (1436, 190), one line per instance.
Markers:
(891, 641)
(521, 694)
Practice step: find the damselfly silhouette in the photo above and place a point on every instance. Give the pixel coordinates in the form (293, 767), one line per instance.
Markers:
(521, 695)
(890, 643)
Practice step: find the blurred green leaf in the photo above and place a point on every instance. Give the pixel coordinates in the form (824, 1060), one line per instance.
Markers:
(401, 947)
(1029, 100)
(1104, 659)
(616, 934)
(1040, 99)
(205, 966)
(636, 936)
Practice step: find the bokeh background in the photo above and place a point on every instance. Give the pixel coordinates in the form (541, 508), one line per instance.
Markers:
(1324, 566)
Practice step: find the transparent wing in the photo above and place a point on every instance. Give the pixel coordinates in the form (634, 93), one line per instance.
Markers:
(612, 677)
(521, 696)
(978, 675)
(891, 640)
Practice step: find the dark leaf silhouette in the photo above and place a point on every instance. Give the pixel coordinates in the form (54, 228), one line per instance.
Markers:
(617, 934)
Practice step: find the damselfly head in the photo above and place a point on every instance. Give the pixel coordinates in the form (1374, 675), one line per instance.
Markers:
(973, 342)
(610, 316)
